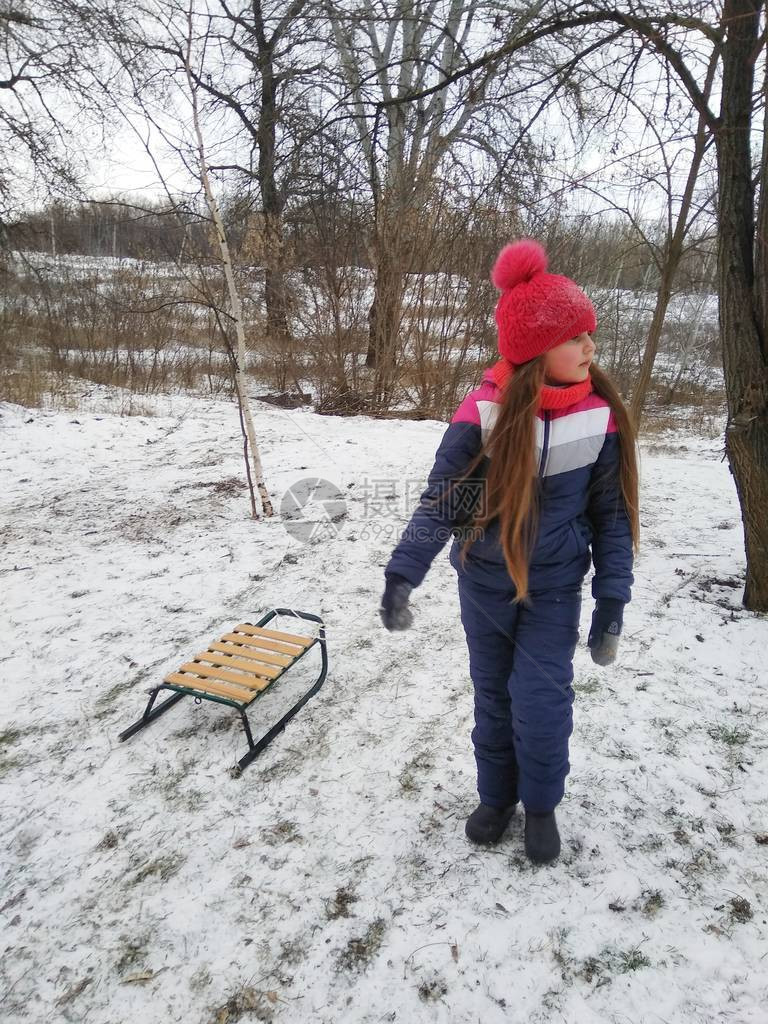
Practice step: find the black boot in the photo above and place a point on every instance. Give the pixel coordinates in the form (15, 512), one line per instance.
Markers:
(542, 840)
(486, 824)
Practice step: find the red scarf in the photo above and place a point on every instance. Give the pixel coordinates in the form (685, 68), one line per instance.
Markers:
(550, 397)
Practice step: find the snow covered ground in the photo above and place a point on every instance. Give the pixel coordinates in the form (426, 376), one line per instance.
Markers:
(332, 880)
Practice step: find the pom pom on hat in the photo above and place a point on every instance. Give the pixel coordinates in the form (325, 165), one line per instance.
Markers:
(536, 310)
(518, 262)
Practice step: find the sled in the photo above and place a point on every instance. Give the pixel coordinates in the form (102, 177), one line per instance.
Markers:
(236, 669)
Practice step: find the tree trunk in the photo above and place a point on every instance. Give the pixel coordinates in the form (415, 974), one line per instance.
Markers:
(669, 269)
(274, 246)
(742, 314)
(275, 289)
(672, 257)
(249, 431)
(385, 317)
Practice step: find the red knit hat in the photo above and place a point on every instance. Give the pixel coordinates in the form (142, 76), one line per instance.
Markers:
(536, 311)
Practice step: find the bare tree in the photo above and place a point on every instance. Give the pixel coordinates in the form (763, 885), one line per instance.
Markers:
(174, 85)
(261, 60)
(743, 279)
(684, 38)
(615, 101)
(267, 38)
(50, 69)
(680, 216)
(740, 38)
(388, 51)
(653, 135)
(236, 307)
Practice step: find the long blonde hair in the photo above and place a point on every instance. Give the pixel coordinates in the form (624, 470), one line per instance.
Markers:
(512, 481)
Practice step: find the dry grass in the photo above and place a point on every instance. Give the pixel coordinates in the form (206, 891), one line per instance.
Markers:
(145, 329)
(697, 410)
(136, 329)
(41, 379)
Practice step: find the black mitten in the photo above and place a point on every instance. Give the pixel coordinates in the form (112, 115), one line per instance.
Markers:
(394, 610)
(607, 619)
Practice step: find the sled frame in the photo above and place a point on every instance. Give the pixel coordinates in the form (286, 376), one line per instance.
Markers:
(180, 689)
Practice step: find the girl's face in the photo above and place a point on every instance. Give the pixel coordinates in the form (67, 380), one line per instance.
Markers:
(569, 363)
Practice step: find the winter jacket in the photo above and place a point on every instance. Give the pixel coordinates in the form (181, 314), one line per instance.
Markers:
(581, 504)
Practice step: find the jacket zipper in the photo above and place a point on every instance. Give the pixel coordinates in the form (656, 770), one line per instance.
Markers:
(545, 444)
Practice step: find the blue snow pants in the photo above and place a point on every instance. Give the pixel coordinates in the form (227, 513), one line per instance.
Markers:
(521, 666)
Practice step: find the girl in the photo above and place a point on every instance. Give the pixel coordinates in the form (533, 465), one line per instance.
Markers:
(535, 478)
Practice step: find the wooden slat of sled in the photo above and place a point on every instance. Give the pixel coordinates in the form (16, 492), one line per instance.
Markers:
(273, 634)
(250, 682)
(259, 642)
(208, 686)
(252, 667)
(249, 652)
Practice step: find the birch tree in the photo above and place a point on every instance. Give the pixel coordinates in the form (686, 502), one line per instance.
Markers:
(167, 96)
(235, 305)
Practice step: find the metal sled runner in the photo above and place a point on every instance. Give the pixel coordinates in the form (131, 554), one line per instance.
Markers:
(236, 670)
